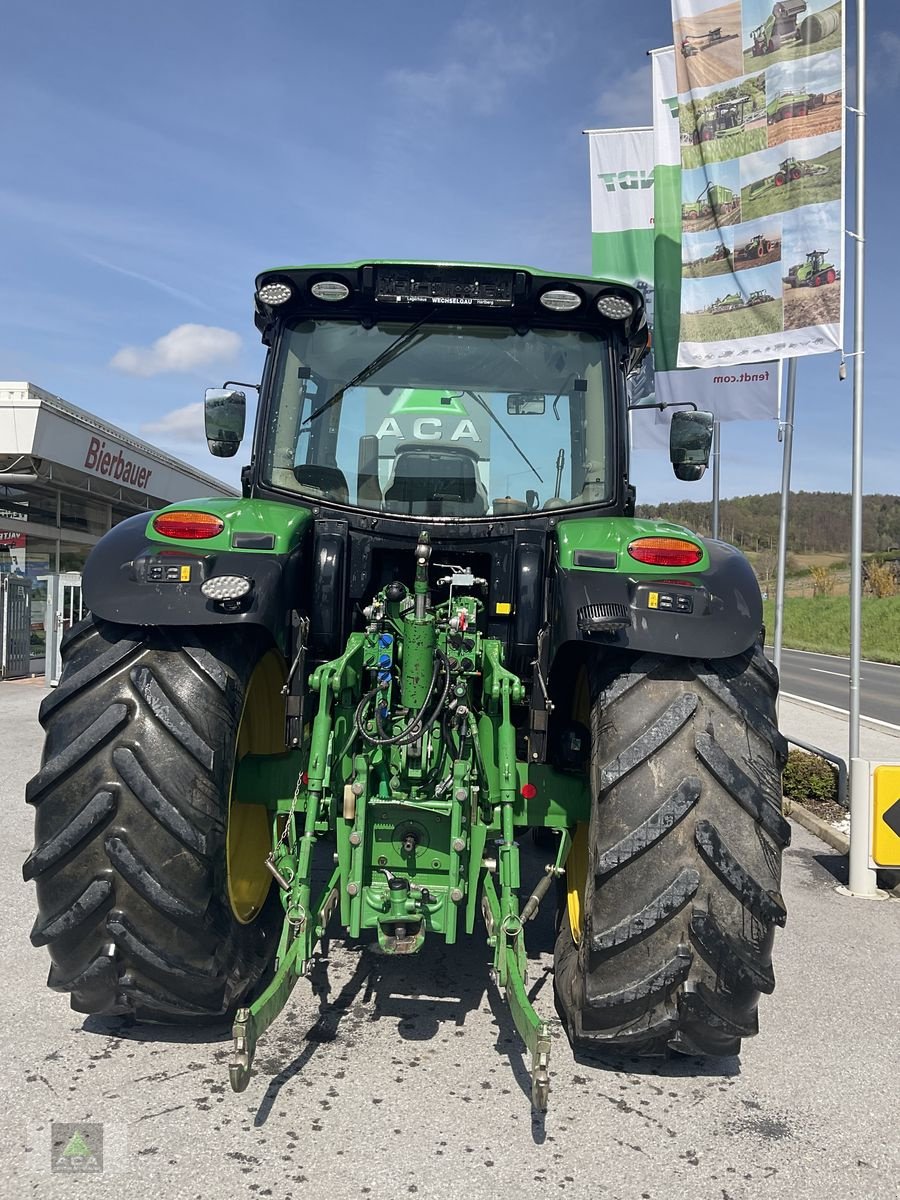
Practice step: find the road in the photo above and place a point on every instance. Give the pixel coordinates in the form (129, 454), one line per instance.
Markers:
(826, 679)
(404, 1078)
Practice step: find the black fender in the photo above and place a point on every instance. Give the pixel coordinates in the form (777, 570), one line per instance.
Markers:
(132, 580)
(715, 613)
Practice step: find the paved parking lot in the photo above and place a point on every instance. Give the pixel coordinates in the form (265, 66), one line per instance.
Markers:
(392, 1079)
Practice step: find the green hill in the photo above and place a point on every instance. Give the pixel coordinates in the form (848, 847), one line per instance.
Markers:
(818, 522)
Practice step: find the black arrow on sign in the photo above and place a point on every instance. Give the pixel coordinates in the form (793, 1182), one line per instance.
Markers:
(891, 818)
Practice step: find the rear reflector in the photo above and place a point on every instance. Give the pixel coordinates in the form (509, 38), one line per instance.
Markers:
(187, 524)
(665, 552)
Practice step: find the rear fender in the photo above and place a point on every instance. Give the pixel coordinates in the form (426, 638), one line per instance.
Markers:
(135, 576)
(713, 610)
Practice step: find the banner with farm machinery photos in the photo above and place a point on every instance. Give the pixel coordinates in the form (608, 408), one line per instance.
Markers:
(761, 128)
(626, 220)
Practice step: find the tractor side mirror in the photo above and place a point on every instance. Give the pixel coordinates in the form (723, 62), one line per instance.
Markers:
(690, 444)
(224, 413)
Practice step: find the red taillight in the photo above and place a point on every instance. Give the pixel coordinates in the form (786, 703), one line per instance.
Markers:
(528, 790)
(188, 524)
(665, 552)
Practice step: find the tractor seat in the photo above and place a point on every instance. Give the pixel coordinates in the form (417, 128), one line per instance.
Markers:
(330, 482)
(428, 481)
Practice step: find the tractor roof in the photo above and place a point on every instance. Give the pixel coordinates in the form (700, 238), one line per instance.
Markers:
(536, 272)
(501, 289)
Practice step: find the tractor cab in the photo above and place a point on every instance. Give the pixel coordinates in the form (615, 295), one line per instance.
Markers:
(816, 260)
(486, 401)
(456, 393)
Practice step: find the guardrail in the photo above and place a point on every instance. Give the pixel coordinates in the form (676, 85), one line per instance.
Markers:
(843, 798)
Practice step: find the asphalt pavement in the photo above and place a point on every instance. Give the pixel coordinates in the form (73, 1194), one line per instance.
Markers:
(826, 679)
(386, 1079)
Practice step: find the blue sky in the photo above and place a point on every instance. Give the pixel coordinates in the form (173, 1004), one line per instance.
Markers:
(157, 157)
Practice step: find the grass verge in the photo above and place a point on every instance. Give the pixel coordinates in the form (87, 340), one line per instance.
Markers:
(822, 623)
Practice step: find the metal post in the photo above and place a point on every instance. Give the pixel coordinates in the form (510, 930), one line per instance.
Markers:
(787, 430)
(856, 522)
(862, 880)
(716, 478)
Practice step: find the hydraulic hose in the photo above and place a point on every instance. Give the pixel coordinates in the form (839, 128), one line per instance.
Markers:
(416, 727)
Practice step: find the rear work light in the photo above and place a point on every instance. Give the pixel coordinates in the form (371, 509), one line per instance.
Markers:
(560, 300)
(274, 294)
(188, 524)
(665, 551)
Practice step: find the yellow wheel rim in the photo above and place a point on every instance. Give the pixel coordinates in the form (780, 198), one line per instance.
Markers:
(576, 880)
(249, 835)
(577, 861)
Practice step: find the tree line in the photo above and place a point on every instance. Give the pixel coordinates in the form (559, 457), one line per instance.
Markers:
(818, 522)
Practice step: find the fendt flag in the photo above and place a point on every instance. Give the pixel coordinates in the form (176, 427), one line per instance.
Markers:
(622, 223)
(635, 198)
(761, 137)
(730, 393)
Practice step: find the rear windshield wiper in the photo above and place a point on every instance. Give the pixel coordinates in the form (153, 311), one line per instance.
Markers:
(392, 351)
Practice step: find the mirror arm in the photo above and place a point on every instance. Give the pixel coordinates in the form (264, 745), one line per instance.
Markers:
(236, 383)
(661, 404)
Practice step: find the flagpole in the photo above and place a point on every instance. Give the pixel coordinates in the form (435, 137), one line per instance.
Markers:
(716, 476)
(620, 129)
(787, 432)
(856, 519)
(862, 880)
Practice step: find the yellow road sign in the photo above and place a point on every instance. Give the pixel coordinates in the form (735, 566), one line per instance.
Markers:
(886, 816)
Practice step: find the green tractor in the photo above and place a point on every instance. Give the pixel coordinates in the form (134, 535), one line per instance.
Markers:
(790, 170)
(779, 29)
(759, 246)
(695, 43)
(430, 624)
(787, 105)
(725, 117)
(729, 303)
(815, 272)
(715, 200)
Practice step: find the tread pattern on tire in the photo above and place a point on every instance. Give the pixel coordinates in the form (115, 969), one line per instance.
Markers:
(686, 834)
(130, 824)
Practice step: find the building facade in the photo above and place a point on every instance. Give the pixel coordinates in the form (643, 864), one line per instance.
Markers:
(66, 477)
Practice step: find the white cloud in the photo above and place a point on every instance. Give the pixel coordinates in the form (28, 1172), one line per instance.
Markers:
(477, 72)
(626, 100)
(886, 62)
(180, 426)
(182, 349)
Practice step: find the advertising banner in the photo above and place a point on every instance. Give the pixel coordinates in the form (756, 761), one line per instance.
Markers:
(731, 393)
(760, 89)
(622, 225)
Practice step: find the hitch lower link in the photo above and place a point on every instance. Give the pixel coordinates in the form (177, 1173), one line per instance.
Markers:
(506, 937)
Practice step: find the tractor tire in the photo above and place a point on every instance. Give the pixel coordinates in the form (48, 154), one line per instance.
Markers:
(131, 813)
(780, 179)
(830, 276)
(817, 281)
(795, 174)
(681, 891)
